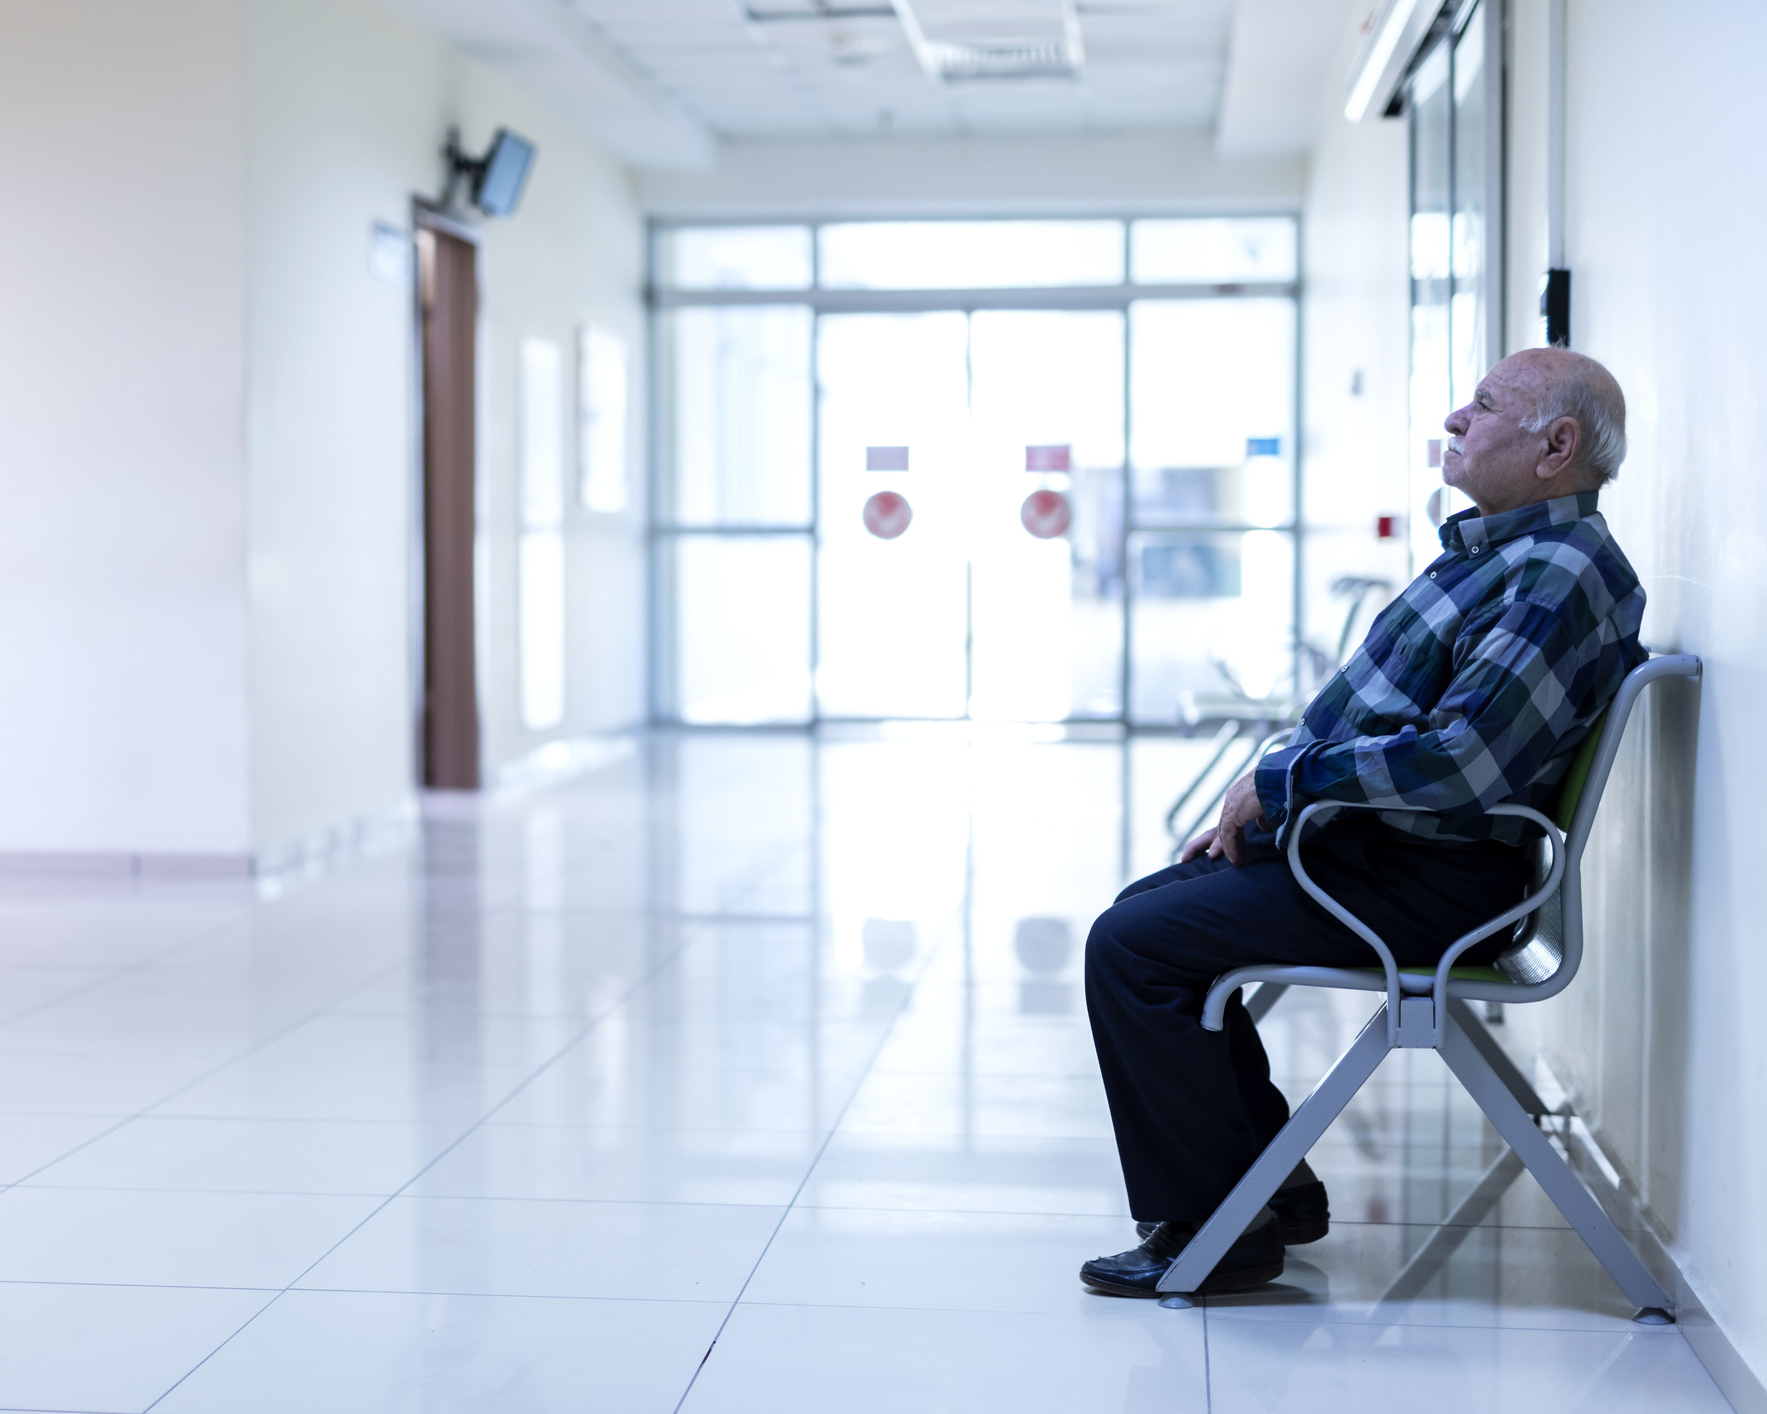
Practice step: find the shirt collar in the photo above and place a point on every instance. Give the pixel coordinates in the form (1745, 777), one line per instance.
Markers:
(1471, 533)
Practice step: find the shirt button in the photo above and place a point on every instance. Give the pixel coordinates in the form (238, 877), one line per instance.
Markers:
(1432, 574)
(1475, 549)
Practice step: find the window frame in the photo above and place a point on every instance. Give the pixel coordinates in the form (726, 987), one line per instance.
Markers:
(661, 299)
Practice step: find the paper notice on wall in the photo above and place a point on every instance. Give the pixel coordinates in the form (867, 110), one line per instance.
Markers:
(601, 419)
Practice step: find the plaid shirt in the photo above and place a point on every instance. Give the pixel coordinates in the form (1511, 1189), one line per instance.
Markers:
(1475, 686)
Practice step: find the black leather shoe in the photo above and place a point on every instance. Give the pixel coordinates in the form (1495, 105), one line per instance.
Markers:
(1303, 1214)
(1253, 1260)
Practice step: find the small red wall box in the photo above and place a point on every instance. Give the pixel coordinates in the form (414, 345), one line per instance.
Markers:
(1386, 527)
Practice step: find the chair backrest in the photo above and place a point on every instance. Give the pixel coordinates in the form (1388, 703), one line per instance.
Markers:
(1549, 943)
(1570, 789)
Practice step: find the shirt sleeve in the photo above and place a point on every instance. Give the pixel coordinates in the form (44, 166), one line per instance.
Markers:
(1499, 721)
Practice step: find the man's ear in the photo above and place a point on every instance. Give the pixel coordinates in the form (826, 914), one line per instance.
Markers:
(1564, 439)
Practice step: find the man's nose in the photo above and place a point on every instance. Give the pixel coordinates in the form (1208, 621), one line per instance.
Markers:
(1455, 422)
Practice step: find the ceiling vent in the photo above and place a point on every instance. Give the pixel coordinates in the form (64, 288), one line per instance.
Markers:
(1057, 53)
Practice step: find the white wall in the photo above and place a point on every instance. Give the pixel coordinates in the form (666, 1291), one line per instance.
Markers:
(122, 438)
(1666, 198)
(1149, 170)
(1355, 357)
(206, 420)
(349, 105)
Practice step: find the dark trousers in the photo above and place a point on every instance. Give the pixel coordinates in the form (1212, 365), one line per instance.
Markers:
(1193, 1109)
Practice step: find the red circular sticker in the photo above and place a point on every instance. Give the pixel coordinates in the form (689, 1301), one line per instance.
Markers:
(887, 515)
(1046, 514)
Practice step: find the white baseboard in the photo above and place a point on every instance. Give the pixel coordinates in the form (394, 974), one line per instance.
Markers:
(1724, 1363)
(121, 866)
(316, 851)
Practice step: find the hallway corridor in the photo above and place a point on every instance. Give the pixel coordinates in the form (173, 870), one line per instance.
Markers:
(762, 1045)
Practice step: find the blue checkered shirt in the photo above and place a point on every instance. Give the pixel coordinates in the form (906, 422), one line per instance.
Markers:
(1475, 686)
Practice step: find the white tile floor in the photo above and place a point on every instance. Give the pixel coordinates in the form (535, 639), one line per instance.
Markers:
(730, 1076)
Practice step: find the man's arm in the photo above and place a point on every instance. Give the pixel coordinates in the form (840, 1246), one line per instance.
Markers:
(1502, 716)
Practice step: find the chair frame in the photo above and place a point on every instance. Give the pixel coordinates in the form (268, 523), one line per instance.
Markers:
(1431, 1012)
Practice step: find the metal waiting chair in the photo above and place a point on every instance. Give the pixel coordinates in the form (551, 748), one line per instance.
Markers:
(1426, 1008)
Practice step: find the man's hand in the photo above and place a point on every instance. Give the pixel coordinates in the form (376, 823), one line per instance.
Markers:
(1238, 809)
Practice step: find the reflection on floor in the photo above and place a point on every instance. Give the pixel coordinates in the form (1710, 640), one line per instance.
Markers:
(740, 1039)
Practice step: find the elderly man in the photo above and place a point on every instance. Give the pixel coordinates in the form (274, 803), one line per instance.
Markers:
(1473, 688)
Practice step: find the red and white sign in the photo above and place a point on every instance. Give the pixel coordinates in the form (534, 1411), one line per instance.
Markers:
(887, 515)
(1046, 514)
(1048, 459)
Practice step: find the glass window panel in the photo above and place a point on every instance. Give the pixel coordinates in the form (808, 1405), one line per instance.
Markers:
(944, 255)
(893, 612)
(1213, 251)
(602, 395)
(1211, 411)
(739, 607)
(540, 431)
(1431, 261)
(738, 424)
(1467, 238)
(541, 610)
(1046, 614)
(1211, 624)
(736, 258)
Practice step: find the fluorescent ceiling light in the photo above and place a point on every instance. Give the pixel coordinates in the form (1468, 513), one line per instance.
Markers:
(1379, 58)
(1044, 56)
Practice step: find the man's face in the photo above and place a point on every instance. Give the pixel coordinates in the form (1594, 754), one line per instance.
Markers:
(1489, 455)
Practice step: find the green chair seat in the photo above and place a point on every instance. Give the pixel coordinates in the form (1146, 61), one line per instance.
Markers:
(1459, 974)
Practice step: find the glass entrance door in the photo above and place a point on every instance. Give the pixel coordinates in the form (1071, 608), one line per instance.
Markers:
(968, 610)
(1014, 470)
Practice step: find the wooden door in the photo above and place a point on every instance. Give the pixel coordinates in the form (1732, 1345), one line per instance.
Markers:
(449, 297)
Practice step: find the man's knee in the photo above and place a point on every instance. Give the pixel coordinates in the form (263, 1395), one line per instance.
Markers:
(1106, 953)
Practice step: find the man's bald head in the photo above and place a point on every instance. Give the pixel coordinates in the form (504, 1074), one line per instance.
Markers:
(1567, 384)
(1543, 423)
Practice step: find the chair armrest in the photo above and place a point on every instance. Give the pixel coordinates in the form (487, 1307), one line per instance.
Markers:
(1439, 991)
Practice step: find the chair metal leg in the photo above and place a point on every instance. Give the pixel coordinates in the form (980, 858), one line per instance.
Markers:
(1453, 1230)
(1260, 1001)
(1289, 1147)
(1496, 1057)
(1567, 1192)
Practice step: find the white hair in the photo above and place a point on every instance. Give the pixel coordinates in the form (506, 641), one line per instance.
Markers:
(1587, 392)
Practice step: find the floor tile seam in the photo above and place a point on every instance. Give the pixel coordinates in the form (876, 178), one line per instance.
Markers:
(474, 1126)
(382, 1206)
(24, 1409)
(249, 1320)
(941, 937)
(508, 1198)
(140, 1285)
(1437, 1226)
(966, 1212)
(26, 1186)
(975, 1133)
(1133, 1308)
(208, 1074)
(499, 1295)
(1208, 1370)
(112, 975)
(1622, 1327)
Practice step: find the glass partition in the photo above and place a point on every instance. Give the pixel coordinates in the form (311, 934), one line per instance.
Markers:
(735, 258)
(737, 404)
(1028, 470)
(1229, 250)
(947, 255)
(1455, 197)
